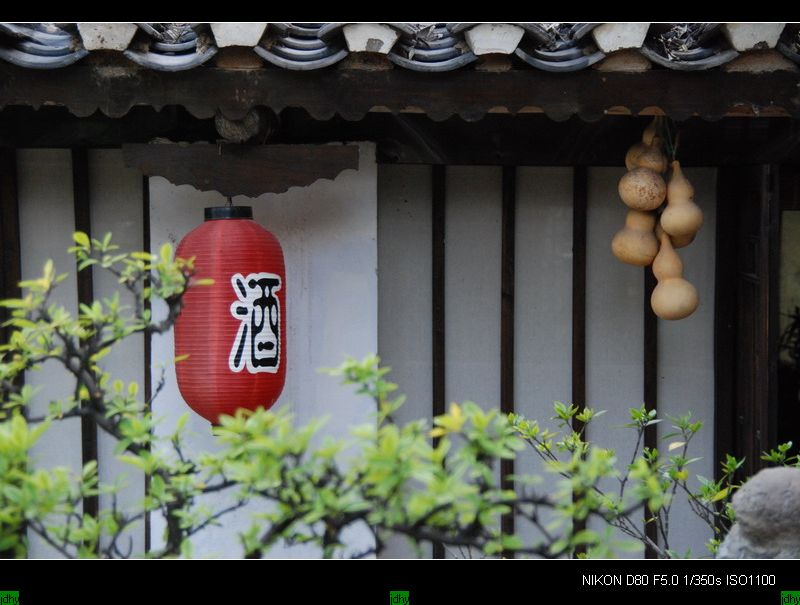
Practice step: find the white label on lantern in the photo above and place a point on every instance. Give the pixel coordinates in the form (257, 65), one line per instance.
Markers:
(258, 342)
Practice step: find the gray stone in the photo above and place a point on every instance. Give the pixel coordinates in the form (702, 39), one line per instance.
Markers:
(617, 36)
(744, 36)
(767, 511)
(237, 34)
(738, 545)
(106, 36)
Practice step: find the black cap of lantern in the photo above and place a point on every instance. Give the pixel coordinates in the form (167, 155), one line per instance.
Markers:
(216, 213)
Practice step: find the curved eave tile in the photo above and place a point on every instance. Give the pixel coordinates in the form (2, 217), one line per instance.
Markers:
(579, 30)
(536, 32)
(329, 30)
(30, 61)
(713, 60)
(569, 65)
(788, 51)
(180, 62)
(24, 32)
(457, 28)
(438, 66)
(296, 65)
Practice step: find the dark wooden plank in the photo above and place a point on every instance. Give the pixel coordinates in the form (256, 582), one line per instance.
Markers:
(56, 127)
(148, 350)
(85, 89)
(725, 304)
(83, 222)
(650, 387)
(10, 268)
(580, 197)
(438, 298)
(235, 169)
(579, 228)
(507, 323)
(9, 230)
(746, 314)
(497, 139)
(771, 221)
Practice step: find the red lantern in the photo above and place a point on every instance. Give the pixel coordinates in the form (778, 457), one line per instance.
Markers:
(234, 331)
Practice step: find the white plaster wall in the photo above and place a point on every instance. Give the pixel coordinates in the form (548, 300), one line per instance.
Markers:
(473, 212)
(686, 364)
(328, 232)
(542, 309)
(405, 296)
(116, 208)
(614, 325)
(47, 221)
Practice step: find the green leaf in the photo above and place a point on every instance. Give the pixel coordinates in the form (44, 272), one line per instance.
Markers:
(182, 422)
(166, 252)
(81, 239)
(133, 460)
(720, 495)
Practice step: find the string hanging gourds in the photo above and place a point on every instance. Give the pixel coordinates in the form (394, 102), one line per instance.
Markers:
(649, 238)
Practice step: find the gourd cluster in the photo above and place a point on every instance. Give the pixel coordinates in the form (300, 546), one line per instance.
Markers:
(651, 237)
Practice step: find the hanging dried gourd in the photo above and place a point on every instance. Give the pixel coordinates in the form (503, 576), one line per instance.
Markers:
(642, 189)
(652, 157)
(673, 297)
(680, 241)
(635, 243)
(681, 218)
(637, 148)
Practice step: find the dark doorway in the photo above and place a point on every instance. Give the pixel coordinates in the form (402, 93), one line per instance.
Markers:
(748, 247)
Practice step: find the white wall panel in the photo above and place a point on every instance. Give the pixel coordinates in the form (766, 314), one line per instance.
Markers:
(542, 307)
(473, 213)
(405, 295)
(115, 194)
(472, 285)
(47, 220)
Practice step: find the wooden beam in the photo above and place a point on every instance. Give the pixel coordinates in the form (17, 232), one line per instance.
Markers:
(580, 196)
(148, 347)
(497, 139)
(771, 220)
(725, 304)
(235, 169)
(9, 231)
(83, 222)
(438, 298)
(10, 268)
(650, 388)
(507, 325)
(470, 94)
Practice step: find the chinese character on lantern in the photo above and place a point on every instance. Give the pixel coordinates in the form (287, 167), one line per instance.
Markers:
(257, 344)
